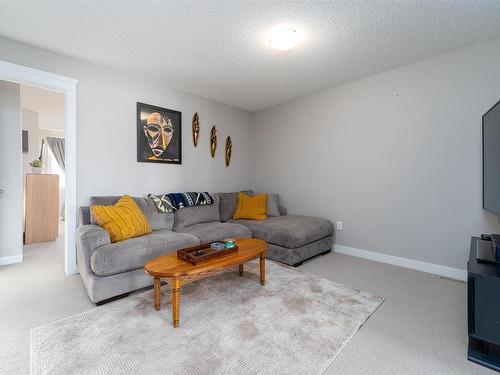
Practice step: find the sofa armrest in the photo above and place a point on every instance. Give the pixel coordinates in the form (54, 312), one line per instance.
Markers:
(88, 238)
(91, 237)
(282, 211)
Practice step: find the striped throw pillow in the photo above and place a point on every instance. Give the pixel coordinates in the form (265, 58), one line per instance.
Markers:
(251, 207)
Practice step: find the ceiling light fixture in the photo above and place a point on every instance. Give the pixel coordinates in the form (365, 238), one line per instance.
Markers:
(284, 37)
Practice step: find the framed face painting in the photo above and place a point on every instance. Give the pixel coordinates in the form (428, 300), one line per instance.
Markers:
(159, 135)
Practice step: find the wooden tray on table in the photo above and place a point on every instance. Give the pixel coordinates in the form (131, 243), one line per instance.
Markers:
(203, 253)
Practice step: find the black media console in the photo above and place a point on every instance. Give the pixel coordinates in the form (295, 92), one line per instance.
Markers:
(483, 294)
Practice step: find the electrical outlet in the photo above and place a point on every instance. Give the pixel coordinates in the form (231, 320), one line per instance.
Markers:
(339, 225)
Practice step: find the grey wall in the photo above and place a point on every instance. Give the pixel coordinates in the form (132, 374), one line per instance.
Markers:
(396, 156)
(11, 202)
(106, 131)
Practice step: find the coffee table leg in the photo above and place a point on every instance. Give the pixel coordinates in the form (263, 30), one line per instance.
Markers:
(262, 269)
(240, 269)
(176, 300)
(157, 284)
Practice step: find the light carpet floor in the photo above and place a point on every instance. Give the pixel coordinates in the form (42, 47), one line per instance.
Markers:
(421, 328)
(296, 324)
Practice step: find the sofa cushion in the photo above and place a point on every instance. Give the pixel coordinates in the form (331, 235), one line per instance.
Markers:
(228, 203)
(157, 220)
(196, 214)
(134, 253)
(123, 220)
(289, 231)
(105, 201)
(162, 202)
(251, 207)
(214, 231)
(273, 208)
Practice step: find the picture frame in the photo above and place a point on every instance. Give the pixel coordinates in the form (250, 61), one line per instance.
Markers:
(159, 134)
(25, 142)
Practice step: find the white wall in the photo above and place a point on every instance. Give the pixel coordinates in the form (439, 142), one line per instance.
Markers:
(396, 156)
(29, 121)
(35, 136)
(106, 131)
(49, 105)
(11, 201)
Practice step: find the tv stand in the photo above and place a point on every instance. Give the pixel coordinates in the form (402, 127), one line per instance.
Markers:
(483, 291)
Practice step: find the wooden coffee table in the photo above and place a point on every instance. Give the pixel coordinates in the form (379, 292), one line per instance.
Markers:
(179, 272)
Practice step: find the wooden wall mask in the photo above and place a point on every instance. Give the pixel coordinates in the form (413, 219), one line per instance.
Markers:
(196, 128)
(213, 141)
(229, 150)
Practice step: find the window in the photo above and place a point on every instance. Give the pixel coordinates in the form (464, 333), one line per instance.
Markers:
(52, 167)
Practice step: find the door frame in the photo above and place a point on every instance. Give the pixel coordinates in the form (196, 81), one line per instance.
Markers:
(34, 77)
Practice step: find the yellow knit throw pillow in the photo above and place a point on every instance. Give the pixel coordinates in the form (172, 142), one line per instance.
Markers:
(123, 220)
(253, 208)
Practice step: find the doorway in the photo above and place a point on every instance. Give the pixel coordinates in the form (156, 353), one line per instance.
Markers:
(16, 78)
(43, 153)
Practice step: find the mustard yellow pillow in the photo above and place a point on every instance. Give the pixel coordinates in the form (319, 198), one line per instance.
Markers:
(253, 208)
(123, 220)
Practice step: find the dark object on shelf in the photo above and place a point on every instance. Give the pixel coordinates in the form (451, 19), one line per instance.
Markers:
(25, 142)
(486, 237)
(483, 291)
(488, 250)
(204, 253)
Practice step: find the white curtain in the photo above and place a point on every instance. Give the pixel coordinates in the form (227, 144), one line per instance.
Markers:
(51, 164)
(47, 160)
(56, 145)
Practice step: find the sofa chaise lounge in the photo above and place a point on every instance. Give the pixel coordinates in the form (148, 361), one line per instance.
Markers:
(111, 270)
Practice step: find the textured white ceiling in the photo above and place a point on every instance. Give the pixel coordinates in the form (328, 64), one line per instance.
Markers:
(218, 49)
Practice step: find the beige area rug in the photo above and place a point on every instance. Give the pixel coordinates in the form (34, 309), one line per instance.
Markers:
(296, 324)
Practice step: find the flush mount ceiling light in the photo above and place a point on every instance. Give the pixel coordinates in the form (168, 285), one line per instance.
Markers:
(284, 37)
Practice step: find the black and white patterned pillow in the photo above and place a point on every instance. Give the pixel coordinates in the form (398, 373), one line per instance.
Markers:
(162, 202)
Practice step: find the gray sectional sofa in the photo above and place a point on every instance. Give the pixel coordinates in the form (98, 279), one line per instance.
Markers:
(110, 270)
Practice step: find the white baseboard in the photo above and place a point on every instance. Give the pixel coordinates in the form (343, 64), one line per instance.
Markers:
(436, 269)
(11, 260)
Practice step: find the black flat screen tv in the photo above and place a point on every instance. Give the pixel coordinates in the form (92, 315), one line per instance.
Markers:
(491, 159)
